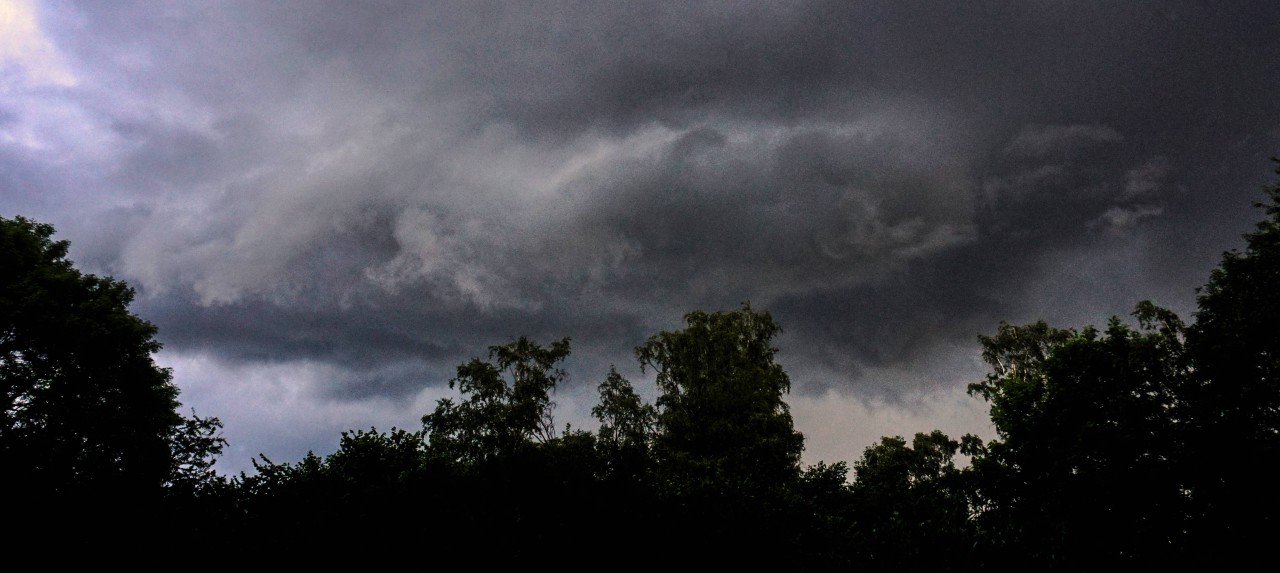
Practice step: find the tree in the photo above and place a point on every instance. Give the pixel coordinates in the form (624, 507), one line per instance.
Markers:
(505, 466)
(726, 452)
(1148, 445)
(372, 477)
(626, 430)
(1234, 396)
(721, 414)
(911, 505)
(498, 416)
(88, 417)
(194, 446)
(1083, 471)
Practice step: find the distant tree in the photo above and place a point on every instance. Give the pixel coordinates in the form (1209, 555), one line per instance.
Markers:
(818, 524)
(726, 450)
(627, 427)
(498, 415)
(287, 496)
(372, 477)
(721, 414)
(194, 446)
(911, 506)
(375, 469)
(499, 461)
(88, 419)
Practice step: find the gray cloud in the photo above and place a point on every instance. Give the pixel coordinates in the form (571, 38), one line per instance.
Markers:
(1041, 140)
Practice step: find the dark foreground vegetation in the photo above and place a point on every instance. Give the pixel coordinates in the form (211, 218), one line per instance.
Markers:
(1147, 442)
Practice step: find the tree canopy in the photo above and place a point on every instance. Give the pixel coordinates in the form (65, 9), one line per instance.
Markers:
(497, 415)
(88, 417)
(1232, 402)
(1085, 431)
(1150, 445)
(722, 413)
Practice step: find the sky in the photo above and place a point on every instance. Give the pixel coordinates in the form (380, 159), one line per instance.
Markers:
(326, 206)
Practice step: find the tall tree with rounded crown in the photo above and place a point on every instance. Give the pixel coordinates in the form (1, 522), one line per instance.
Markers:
(721, 415)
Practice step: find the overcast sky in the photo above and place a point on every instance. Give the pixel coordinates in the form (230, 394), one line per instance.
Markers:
(326, 207)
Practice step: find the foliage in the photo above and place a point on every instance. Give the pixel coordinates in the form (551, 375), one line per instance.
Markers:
(821, 522)
(1113, 445)
(721, 414)
(1085, 431)
(498, 415)
(627, 427)
(193, 449)
(1234, 397)
(911, 506)
(87, 414)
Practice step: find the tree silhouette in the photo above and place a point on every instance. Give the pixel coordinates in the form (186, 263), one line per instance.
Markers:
(498, 416)
(721, 415)
(911, 506)
(726, 449)
(89, 421)
(1082, 474)
(1232, 404)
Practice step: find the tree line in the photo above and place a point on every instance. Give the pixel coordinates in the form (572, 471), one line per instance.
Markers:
(1141, 442)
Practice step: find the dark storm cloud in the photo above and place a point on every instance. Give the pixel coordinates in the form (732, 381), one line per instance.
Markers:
(384, 345)
(384, 189)
(763, 216)
(1026, 215)
(700, 219)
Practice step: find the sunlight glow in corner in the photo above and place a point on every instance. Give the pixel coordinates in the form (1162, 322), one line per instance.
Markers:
(24, 46)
